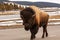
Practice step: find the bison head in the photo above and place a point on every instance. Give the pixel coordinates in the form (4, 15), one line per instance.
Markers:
(27, 16)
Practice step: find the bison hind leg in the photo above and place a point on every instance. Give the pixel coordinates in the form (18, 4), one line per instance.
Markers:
(45, 31)
(46, 34)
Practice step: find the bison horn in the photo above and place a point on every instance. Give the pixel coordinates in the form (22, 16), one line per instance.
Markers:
(33, 15)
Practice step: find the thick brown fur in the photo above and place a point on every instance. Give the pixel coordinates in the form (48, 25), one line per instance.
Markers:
(33, 18)
(40, 15)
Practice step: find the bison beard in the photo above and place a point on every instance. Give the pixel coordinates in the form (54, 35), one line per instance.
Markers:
(33, 18)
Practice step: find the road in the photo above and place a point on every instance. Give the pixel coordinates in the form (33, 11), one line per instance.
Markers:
(21, 34)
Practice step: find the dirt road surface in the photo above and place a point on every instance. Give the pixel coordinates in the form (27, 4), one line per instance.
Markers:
(21, 34)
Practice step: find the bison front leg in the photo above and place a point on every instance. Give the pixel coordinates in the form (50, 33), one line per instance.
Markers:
(45, 31)
(33, 31)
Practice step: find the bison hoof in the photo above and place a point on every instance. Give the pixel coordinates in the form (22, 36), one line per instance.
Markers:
(33, 37)
(42, 36)
(47, 35)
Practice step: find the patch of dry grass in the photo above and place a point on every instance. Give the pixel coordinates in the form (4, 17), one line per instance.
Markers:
(9, 12)
(55, 17)
(54, 21)
(10, 27)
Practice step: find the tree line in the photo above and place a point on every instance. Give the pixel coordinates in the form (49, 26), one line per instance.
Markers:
(6, 7)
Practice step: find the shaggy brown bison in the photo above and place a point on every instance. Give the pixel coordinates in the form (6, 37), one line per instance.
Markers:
(33, 18)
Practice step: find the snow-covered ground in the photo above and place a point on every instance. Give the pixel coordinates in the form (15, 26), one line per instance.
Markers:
(54, 13)
(17, 16)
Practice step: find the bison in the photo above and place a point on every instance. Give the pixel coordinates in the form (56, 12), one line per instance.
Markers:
(33, 18)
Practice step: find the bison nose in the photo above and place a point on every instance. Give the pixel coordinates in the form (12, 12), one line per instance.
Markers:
(23, 23)
(26, 27)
